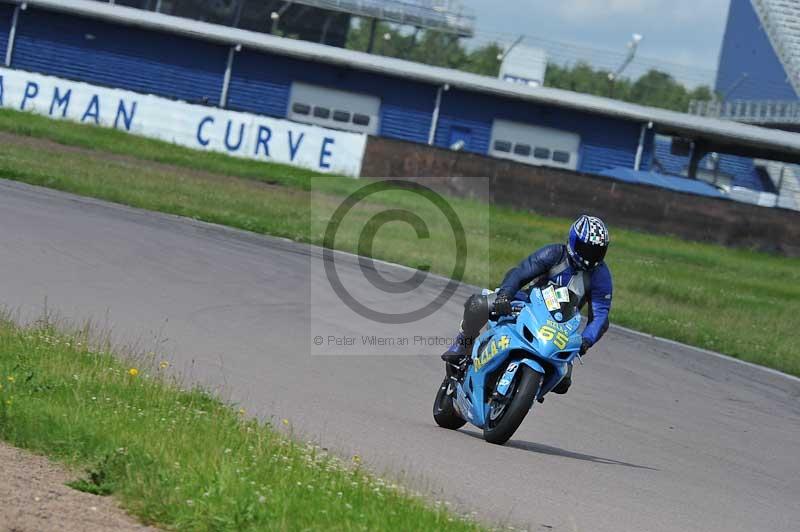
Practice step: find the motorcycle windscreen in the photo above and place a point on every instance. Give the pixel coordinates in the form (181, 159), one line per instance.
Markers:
(561, 302)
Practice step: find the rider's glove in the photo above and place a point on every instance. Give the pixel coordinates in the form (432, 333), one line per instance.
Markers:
(585, 345)
(502, 305)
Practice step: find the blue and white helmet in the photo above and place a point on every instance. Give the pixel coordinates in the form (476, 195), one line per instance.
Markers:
(588, 242)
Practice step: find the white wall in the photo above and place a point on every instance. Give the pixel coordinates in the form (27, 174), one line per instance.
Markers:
(194, 126)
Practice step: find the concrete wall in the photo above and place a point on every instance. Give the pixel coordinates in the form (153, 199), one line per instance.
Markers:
(556, 192)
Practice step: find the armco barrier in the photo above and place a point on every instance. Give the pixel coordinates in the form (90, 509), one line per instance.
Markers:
(194, 126)
(556, 192)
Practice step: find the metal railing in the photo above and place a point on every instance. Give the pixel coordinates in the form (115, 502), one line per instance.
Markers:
(442, 15)
(749, 111)
(447, 16)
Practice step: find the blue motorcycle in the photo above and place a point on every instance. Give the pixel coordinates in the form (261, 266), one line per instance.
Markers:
(519, 359)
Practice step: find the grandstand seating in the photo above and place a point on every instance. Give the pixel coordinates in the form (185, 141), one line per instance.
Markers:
(786, 178)
(742, 170)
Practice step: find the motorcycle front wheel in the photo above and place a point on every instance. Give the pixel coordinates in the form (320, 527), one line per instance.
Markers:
(444, 413)
(505, 419)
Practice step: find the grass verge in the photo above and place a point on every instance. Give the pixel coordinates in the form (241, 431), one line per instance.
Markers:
(742, 303)
(182, 459)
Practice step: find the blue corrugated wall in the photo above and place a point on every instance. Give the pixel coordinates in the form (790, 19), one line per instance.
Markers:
(118, 56)
(261, 83)
(746, 50)
(6, 13)
(605, 142)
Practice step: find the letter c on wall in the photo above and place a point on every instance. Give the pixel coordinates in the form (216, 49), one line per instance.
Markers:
(207, 120)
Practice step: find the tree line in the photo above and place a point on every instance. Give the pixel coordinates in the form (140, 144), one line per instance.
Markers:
(655, 88)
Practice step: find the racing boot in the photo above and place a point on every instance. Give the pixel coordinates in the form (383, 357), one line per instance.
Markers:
(476, 314)
(563, 386)
(457, 352)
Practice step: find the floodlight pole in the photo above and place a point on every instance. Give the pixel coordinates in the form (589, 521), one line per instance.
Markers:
(237, 15)
(276, 16)
(633, 45)
(502, 55)
(372, 27)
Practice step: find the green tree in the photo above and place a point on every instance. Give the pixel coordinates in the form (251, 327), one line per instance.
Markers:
(655, 88)
(484, 60)
(429, 47)
(659, 89)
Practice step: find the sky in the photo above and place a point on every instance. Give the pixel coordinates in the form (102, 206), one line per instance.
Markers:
(683, 37)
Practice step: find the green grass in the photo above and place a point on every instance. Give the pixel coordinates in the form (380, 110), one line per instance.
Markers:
(739, 302)
(182, 459)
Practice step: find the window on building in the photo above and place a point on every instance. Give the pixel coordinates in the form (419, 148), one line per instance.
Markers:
(361, 120)
(341, 116)
(322, 112)
(503, 146)
(301, 108)
(561, 157)
(522, 149)
(541, 153)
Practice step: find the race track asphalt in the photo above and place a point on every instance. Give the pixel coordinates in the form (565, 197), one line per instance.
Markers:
(653, 436)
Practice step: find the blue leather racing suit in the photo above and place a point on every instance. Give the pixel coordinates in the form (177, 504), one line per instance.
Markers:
(552, 263)
(548, 264)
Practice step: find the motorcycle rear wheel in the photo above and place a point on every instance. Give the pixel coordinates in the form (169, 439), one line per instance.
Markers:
(500, 430)
(444, 413)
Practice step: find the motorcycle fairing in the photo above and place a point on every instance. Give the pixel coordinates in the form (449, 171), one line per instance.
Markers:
(516, 335)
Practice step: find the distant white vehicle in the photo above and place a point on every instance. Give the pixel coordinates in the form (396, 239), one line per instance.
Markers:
(524, 64)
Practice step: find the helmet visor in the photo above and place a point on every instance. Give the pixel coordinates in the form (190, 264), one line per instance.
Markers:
(590, 254)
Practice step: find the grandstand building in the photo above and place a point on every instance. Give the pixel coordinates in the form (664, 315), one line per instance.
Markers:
(211, 64)
(758, 82)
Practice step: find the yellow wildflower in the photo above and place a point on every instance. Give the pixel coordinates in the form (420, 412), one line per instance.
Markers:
(164, 364)
(133, 372)
(10, 378)
(285, 421)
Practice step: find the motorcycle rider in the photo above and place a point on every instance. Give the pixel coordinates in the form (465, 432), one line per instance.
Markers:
(578, 264)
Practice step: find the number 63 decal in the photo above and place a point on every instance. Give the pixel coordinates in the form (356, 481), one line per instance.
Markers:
(547, 333)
